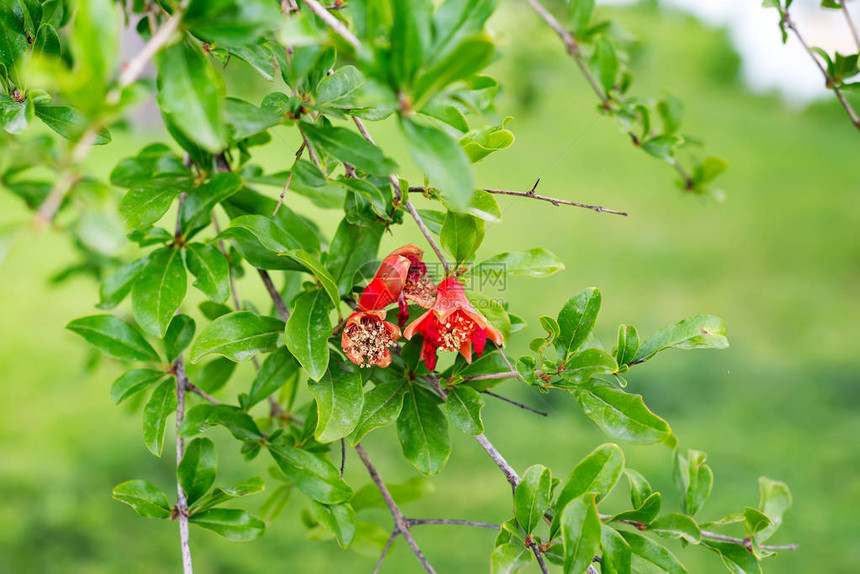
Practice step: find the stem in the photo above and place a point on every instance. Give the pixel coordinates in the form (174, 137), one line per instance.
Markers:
(66, 179)
(395, 184)
(332, 22)
(134, 68)
(851, 25)
(201, 393)
(492, 376)
(385, 551)
(855, 119)
(274, 294)
(181, 501)
(744, 543)
(513, 402)
(426, 233)
(540, 561)
(401, 525)
(420, 521)
(510, 474)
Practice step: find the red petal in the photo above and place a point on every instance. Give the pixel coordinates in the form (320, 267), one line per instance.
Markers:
(479, 340)
(403, 314)
(387, 284)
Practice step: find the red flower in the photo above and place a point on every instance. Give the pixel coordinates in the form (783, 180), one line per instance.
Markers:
(452, 324)
(366, 338)
(402, 276)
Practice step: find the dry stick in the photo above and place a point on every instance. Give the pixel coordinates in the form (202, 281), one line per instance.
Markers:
(181, 501)
(745, 543)
(574, 51)
(342, 456)
(851, 25)
(385, 551)
(289, 178)
(855, 119)
(401, 526)
(274, 294)
(332, 22)
(515, 403)
(134, 68)
(420, 521)
(491, 376)
(510, 474)
(537, 552)
(193, 388)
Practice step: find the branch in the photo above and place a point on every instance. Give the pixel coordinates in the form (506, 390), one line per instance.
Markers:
(745, 542)
(515, 403)
(274, 294)
(851, 25)
(510, 474)
(401, 525)
(201, 393)
(332, 22)
(541, 563)
(855, 119)
(66, 179)
(493, 376)
(420, 521)
(426, 233)
(289, 177)
(134, 68)
(395, 184)
(181, 501)
(385, 551)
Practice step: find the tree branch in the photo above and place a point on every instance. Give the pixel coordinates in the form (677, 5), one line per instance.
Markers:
(201, 393)
(510, 474)
(274, 294)
(789, 23)
(745, 543)
(539, 557)
(420, 521)
(401, 525)
(181, 501)
(850, 22)
(385, 549)
(134, 68)
(332, 22)
(515, 403)
(392, 179)
(493, 376)
(426, 232)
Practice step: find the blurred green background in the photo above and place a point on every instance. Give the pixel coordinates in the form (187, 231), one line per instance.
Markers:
(779, 260)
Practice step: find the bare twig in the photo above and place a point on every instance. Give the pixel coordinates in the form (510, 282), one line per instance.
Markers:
(274, 294)
(342, 456)
(332, 22)
(539, 557)
(134, 68)
(426, 232)
(201, 393)
(66, 179)
(401, 526)
(553, 200)
(420, 521)
(855, 119)
(745, 543)
(850, 22)
(311, 153)
(513, 402)
(493, 376)
(385, 551)
(392, 179)
(510, 474)
(181, 501)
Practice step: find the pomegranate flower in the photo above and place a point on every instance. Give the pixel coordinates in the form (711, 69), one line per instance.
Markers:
(452, 324)
(366, 338)
(402, 276)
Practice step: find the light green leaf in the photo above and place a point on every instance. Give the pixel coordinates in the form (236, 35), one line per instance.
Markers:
(132, 382)
(221, 493)
(114, 337)
(509, 558)
(161, 404)
(694, 479)
(621, 415)
(338, 519)
(702, 332)
(145, 498)
(616, 557)
(531, 497)
(311, 473)
(308, 330)
(238, 336)
(196, 471)
(580, 533)
(461, 235)
(648, 556)
(348, 146)
(231, 523)
(481, 142)
(179, 334)
(159, 290)
(677, 526)
(576, 320)
(775, 500)
(423, 431)
(536, 262)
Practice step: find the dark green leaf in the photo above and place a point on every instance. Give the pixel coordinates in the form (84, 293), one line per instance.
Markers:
(308, 330)
(702, 332)
(247, 120)
(585, 364)
(118, 284)
(132, 382)
(115, 337)
(159, 290)
(339, 398)
(531, 497)
(621, 415)
(161, 404)
(628, 344)
(351, 249)
(231, 20)
(640, 489)
(145, 498)
(142, 207)
(311, 473)
(467, 58)
(645, 512)
(461, 235)
(423, 431)
(198, 204)
(580, 533)
(178, 336)
(464, 409)
(382, 406)
(576, 320)
(69, 123)
(348, 146)
(47, 41)
(648, 556)
(735, 557)
(274, 372)
(220, 493)
(211, 269)
(509, 558)
(196, 472)
(234, 419)
(14, 116)
(238, 336)
(605, 63)
(231, 523)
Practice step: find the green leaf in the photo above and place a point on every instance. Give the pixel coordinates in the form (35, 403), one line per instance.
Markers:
(234, 419)
(735, 557)
(755, 521)
(536, 262)
(339, 89)
(621, 415)
(221, 494)
(509, 558)
(481, 142)
(646, 512)
(531, 497)
(628, 344)
(443, 160)
(464, 409)
(616, 557)
(114, 337)
(47, 42)
(585, 364)
(95, 43)
(348, 146)
(338, 519)
(197, 207)
(238, 336)
(352, 248)
(191, 95)
(382, 406)
(605, 63)
(775, 500)
(231, 523)
(142, 207)
(259, 239)
(159, 290)
(13, 42)
(368, 496)
(14, 116)
(640, 489)
(132, 382)
(423, 431)
(278, 367)
(211, 269)
(694, 479)
(671, 111)
(580, 533)
(455, 20)
(467, 58)
(576, 320)
(648, 556)
(69, 123)
(145, 498)
(308, 330)
(701, 332)
(580, 15)
(339, 396)
(118, 285)
(461, 235)
(312, 474)
(313, 265)
(196, 471)
(410, 39)
(677, 526)
(179, 334)
(161, 404)
(246, 119)
(230, 20)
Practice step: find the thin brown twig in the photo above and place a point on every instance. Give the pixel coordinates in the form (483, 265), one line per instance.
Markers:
(66, 179)
(515, 403)
(509, 472)
(289, 178)
(181, 500)
(280, 305)
(539, 557)
(493, 376)
(420, 521)
(426, 233)
(201, 393)
(850, 22)
(392, 179)
(401, 525)
(789, 23)
(385, 551)
(332, 22)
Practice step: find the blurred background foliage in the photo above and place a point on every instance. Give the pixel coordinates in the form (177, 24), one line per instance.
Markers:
(779, 260)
